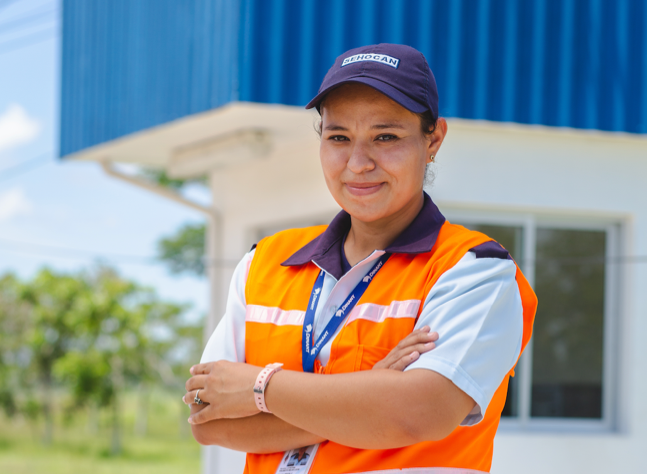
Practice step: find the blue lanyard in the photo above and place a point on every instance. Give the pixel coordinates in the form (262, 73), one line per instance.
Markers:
(309, 347)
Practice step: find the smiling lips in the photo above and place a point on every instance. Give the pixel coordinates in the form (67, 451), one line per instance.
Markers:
(363, 189)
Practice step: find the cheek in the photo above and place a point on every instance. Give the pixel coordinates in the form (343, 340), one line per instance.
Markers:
(406, 164)
(333, 161)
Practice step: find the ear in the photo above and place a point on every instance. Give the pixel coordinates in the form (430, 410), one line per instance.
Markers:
(435, 139)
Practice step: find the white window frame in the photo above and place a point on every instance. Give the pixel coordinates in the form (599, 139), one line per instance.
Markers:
(529, 222)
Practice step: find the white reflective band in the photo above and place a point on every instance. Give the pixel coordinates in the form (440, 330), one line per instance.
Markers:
(379, 313)
(278, 316)
(425, 470)
(369, 311)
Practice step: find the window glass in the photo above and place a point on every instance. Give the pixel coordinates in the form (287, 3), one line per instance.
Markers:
(568, 331)
(510, 238)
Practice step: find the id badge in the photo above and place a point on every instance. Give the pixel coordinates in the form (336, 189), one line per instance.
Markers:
(298, 461)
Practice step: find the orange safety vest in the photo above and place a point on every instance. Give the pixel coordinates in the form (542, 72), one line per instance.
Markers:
(277, 296)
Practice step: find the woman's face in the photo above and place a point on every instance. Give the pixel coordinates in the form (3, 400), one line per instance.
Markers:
(373, 152)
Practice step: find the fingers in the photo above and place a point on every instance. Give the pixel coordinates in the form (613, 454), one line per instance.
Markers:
(405, 361)
(420, 340)
(403, 358)
(418, 336)
(199, 369)
(208, 413)
(189, 397)
(196, 382)
(409, 349)
(421, 348)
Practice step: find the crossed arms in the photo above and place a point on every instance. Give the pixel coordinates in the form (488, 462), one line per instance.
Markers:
(378, 409)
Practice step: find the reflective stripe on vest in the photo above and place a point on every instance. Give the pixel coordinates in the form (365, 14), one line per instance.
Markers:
(276, 299)
(425, 470)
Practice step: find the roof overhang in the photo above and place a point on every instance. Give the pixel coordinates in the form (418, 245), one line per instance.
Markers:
(235, 133)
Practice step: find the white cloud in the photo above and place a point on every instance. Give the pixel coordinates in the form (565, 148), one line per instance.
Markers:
(14, 203)
(16, 127)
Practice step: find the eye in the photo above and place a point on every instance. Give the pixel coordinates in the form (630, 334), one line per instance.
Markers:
(338, 138)
(387, 137)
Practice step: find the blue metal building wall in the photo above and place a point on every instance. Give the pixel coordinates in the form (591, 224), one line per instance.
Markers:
(130, 65)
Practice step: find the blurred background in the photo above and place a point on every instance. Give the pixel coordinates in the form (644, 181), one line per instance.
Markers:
(145, 145)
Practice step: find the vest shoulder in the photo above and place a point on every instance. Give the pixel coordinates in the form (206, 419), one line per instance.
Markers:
(288, 241)
(454, 235)
(457, 236)
(299, 234)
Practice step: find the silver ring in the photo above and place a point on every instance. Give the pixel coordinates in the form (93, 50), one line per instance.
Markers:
(197, 400)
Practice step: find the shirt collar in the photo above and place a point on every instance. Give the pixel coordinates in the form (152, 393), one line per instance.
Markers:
(325, 249)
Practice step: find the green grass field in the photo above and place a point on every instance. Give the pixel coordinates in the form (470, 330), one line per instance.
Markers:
(81, 447)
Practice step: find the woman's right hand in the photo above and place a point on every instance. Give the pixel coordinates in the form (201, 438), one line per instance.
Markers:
(409, 349)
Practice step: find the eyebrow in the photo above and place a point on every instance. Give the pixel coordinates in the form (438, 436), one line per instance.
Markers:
(380, 126)
(335, 127)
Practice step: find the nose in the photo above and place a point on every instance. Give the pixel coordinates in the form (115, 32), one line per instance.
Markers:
(360, 159)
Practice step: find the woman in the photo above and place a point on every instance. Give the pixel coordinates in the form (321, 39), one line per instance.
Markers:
(330, 303)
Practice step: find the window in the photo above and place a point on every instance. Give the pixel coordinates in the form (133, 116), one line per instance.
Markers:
(563, 376)
(568, 349)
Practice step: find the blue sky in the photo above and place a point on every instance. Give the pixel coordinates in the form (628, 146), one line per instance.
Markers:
(62, 214)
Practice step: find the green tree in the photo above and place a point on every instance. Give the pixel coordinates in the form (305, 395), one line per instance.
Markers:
(159, 176)
(184, 250)
(54, 305)
(93, 334)
(124, 338)
(14, 321)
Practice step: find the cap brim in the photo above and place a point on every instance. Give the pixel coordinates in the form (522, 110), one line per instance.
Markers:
(386, 89)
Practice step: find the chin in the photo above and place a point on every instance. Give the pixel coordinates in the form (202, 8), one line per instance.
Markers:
(366, 212)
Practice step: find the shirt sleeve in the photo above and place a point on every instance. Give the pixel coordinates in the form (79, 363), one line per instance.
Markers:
(228, 340)
(476, 309)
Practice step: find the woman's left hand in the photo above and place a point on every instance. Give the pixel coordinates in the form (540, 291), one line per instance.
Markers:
(409, 350)
(226, 388)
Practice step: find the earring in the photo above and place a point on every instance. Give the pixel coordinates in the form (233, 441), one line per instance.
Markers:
(432, 158)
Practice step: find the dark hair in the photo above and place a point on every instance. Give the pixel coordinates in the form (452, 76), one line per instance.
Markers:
(428, 126)
(427, 122)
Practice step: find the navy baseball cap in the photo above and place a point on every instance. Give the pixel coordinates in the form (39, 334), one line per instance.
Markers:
(398, 71)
